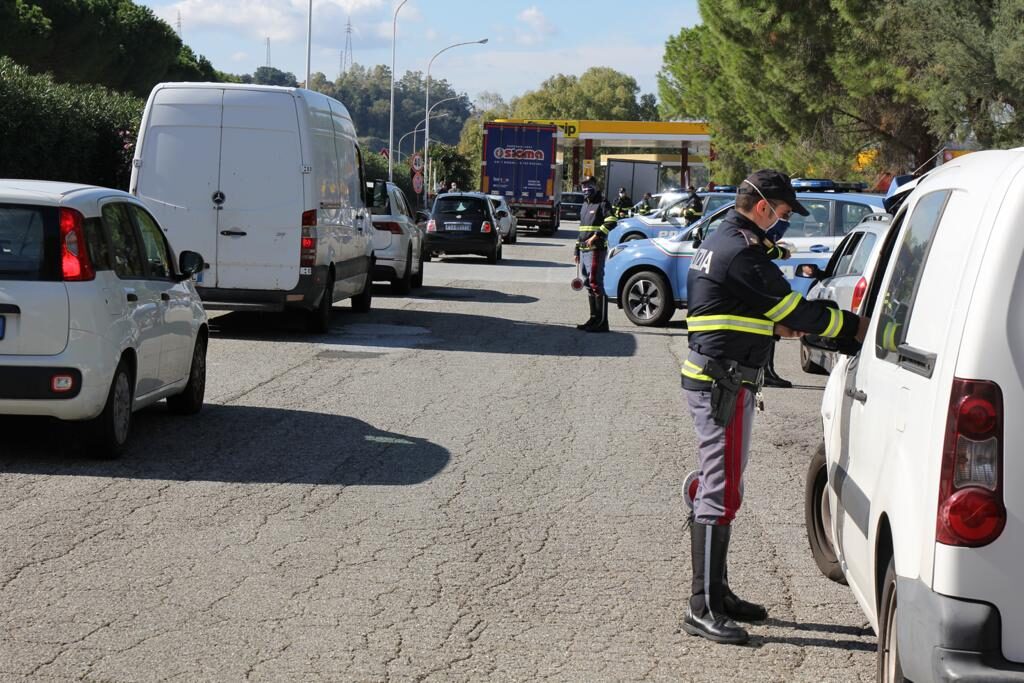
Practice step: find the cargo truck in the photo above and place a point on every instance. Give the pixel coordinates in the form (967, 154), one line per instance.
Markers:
(519, 163)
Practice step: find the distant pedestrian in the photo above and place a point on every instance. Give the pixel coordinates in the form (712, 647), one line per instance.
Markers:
(623, 203)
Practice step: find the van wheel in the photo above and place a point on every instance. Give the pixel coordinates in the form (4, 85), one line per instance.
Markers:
(403, 285)
(190, 401)
(647, 299)
(818, 518)
(109, 432)
(807, 364)
(362, 302)
(417, 279)
(318, 321)
(889, 668)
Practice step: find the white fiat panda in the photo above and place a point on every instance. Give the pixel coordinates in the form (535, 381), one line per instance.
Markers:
(917, 497)
(97, 320)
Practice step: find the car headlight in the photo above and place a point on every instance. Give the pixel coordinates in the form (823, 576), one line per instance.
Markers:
(614, 251)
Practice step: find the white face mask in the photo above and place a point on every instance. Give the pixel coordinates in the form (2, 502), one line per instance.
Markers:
(781, 224)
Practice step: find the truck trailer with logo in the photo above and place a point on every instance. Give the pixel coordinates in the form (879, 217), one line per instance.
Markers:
(520, 163)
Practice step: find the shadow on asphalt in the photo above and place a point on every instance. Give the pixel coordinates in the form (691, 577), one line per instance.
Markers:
(487, 296)
(846, 645)
(435, 330)
(521, 243)
(505, 261)
(238, 444)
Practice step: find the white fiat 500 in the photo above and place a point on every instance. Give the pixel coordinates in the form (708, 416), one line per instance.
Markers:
(97, 320)
(916, 499)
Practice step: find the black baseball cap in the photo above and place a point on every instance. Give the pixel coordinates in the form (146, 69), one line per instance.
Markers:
(772, 184)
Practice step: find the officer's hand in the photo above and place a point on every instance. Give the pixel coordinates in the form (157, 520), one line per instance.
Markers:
(576, 258)
(862, 329)
(591, 240)
(787, 332)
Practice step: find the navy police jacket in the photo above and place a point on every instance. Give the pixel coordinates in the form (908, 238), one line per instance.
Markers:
(736, 295)
(592, 222)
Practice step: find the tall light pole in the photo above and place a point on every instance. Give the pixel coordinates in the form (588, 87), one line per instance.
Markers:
(391, 131)
(417, 129)
(309, 40)
(426, 115)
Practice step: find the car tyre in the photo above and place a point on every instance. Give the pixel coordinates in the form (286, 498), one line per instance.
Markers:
(818, 517)
(110, 430)
(807, 364)
(363, 302)
(495, 254)
(318, 320)
(190, 401)
(403, 285)
(417, 279)
(647, 299)
(889, 668)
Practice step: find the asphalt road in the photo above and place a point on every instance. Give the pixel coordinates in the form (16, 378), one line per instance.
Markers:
(455, 486)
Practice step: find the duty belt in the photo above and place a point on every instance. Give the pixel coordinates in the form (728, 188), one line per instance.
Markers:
(697, 366)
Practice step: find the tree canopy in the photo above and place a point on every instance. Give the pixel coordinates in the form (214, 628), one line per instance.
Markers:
(599, 93)
(856, 86)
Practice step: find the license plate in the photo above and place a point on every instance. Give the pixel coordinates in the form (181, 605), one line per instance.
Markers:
(3, 326)
(465, 227)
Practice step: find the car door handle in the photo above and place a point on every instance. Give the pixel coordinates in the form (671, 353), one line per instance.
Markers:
(164, 296)
(132, 297)
(233, 233)
(857, 395)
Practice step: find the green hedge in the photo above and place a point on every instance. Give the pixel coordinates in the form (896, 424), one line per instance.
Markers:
(55, 131)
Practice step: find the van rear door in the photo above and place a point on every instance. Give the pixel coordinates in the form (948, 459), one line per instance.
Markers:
(261, 180)
(34, 312)
(179, 173)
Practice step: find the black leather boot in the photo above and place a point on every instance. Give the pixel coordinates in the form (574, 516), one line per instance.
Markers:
(738, 609)
(593, 313)
(601, 308)
(771, 378)
(706, 615)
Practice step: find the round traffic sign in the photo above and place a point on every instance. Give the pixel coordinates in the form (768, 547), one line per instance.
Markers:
(417, 163)
(417, 182)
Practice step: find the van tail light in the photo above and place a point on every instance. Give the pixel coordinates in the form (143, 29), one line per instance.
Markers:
(389, 226)
(307, 253)
(309, 218)
(486, 227)
(74, 252)
(971, 511)
(858, 294)
(431, 225)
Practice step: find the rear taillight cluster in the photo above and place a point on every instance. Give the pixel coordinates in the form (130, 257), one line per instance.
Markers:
(971, 511)
(307, 253)
(431, 225)
(76, 266)
(486, 227)
(389, 226)
(859, 291)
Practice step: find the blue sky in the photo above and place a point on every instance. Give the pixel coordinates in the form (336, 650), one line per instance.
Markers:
(528, 41)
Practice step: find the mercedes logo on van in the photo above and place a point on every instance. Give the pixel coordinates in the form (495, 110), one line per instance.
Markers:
(218, 197)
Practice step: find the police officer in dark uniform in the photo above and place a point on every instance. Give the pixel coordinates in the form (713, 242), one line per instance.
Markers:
(694, 206)
(738, 301)
(596, 221)
(623, 204)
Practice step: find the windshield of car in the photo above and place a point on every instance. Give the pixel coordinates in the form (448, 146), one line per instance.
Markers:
(27, 233)
(466, 207)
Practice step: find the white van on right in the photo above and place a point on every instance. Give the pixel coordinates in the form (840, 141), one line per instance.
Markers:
(921, 507)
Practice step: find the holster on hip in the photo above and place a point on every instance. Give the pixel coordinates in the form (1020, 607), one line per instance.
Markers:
(725, 389)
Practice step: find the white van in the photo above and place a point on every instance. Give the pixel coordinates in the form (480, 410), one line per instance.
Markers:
(916, 498)
(267, 183)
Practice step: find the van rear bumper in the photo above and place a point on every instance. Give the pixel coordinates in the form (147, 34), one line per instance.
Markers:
(948, 639)
(306, 295)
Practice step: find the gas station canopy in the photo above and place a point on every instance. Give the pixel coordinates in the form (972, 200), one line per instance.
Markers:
(690, 140)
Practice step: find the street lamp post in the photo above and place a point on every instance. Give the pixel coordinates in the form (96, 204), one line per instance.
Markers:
(391, 133)
(426, 116)
(417, 129)
(309, 40)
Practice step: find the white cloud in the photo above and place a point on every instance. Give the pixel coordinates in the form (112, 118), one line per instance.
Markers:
(536, 28)
(238, 57)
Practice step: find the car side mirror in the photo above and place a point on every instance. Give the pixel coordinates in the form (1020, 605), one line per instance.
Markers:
(501, 213)
(809, 270)
(422, 216)
(189, 264)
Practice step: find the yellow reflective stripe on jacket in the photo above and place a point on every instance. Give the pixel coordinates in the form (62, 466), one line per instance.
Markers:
(589, 228)
(889, 336)
(835, 323)
(603, 229)
(784, 307)
(731, 323)
(694, 371)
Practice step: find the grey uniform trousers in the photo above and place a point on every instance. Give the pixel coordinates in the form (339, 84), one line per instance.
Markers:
(721, 456)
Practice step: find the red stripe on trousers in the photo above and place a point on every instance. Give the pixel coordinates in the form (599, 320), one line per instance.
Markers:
(733, 463)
